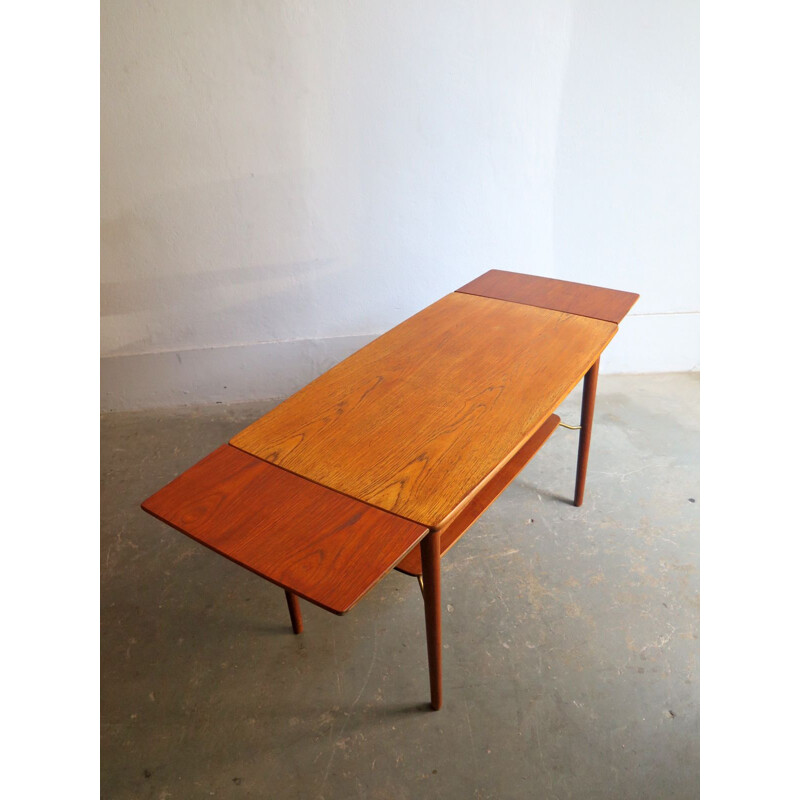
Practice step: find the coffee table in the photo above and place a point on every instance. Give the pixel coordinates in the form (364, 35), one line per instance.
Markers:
(386, 460)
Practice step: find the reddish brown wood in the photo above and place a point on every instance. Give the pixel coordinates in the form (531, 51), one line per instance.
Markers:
(317, 543)
(419, 419)
(573, 298)
(294, 612)
(451, 533)
(430, 421)
(432, 597)
(587, 417)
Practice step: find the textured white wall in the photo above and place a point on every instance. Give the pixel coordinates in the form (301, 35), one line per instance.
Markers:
(281, 181)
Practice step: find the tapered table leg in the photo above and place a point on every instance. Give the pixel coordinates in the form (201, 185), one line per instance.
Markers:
(587, 416)
(294, 612)
(432, 596)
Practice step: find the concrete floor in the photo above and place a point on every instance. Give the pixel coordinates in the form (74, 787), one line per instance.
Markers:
(571, 635)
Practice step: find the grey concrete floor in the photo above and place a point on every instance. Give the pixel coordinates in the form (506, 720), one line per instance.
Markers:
(570, 635)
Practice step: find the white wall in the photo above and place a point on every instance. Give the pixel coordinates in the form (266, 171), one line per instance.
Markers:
(283, 180)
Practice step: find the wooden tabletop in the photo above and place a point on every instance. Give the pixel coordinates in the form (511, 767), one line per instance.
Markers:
(321, 545)
(416, 422)
(574, 298)
(421, 429)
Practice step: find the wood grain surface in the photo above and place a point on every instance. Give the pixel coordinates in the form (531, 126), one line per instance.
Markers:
(321, 545)
(573, 298)
(419, 419)
(453, 531)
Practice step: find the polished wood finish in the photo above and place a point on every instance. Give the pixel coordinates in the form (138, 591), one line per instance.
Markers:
(312, 541)
(294, 612)
(432, 597)
(587, 418)
(451, 533)
(388, 458)
(573, 298)
(421, 418)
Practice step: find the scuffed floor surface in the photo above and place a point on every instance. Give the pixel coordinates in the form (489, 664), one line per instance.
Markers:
(571, 635)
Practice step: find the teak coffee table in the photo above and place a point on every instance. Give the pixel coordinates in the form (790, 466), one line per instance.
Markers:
(385, 460)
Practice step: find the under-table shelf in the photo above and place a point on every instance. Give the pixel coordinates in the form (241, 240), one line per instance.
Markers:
(452, 532)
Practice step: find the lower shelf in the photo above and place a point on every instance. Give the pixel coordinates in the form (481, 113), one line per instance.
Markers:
(452, 532)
